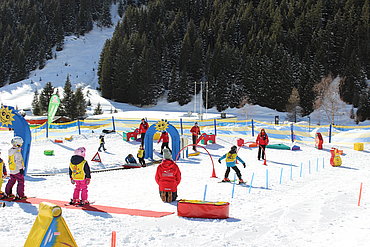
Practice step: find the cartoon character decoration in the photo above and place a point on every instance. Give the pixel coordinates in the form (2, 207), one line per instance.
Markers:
(162, 125)
(6, 116)
(335, 159)
(318, 141)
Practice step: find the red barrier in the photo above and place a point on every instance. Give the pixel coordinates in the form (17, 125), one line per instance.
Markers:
(202, 209)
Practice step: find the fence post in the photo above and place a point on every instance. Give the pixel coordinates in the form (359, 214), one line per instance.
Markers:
(215, 125)
(252, 127)
(182, 131)
(114, 126)
(330, 133)
(78, 124)
(292, 132)
(47, 130)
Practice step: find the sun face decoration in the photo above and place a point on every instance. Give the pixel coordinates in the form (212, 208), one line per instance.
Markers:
(161, 125)
(6, 116)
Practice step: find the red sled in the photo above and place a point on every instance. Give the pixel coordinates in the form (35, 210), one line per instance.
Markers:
(203, 209)
(133, 165)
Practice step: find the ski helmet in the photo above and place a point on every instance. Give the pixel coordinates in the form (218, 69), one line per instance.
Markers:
(81, 151)
(233, 148)
(17, 141)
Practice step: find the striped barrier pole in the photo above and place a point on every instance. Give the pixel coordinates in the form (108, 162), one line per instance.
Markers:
(300, 171)
(359, 196)
(291, 171)
(205, 192)
(232, 192)
(309, 166)
(281, 175)
(114, 238)
(267, 179)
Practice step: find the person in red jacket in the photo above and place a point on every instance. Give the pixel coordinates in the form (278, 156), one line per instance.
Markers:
(142, 130)
(165, 140)
(262, 141)
(195, 132)
(168, 177)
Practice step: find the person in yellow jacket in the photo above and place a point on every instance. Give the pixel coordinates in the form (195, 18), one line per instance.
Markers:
(79, 173)
(16, 169)
(231, 158)
(140, 156)
(3, 174)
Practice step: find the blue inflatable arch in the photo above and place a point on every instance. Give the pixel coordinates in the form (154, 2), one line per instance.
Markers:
(10, 118)
(148, 141)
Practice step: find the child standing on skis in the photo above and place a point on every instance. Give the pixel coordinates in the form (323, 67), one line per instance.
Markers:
(140, 155)
(3, 174)
(102, 142)
(231, 158)
(79, 173)
(16, 170)
(165, 140)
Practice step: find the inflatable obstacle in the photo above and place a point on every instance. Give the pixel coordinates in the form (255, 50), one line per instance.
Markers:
(203, 209)
(130, 135)
(335, 159)
(49, 228)
(49, 152)
(68, 138)
(278, 146)
(205, 138)
(295, 148)
(318, 140)
(240, 142)
(358, 146)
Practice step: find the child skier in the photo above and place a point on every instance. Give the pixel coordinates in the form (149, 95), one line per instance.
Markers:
(130, 159)
(3, 174)
(140, 156)
(79, 173)
(16, 170)
(168, 177)
(165, 140)
(231, 158)
(102, 142)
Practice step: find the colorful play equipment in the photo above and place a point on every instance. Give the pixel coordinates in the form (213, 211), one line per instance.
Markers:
(49, 152)
(10, 118)
(203, 209)
(240, 142)
(358, 146)
(96, 158)
(162, 125)
(296, 147)
(58, 141)
(335, 159)
(194, 154)
(50, 229)
(130, 135)
(278, 146)
(205, 138)
(68, 138)
(318, 141)
(156, 136)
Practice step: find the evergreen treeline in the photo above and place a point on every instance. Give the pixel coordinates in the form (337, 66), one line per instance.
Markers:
(29, 29)
(248, 51)
(73, 104)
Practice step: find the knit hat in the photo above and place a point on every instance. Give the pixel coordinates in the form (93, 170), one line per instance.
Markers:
(167, 154)
(80, 151)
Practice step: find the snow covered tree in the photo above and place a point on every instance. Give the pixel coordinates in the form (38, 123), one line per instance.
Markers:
(98, 110)
(45, 96)
(36, 108)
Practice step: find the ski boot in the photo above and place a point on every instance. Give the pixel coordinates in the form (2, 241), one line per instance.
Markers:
(74, 202)
(241, 181)
(84, 203)
(18, 198)
(225, 180)
(10, 196)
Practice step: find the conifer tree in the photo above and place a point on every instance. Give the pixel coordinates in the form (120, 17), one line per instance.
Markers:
(45, 96)
(36, 108)
(98, 110)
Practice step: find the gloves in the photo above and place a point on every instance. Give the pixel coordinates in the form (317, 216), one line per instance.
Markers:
(219, 161)
(88, 181)
(72, 181)
(244, 165)
(21, 171)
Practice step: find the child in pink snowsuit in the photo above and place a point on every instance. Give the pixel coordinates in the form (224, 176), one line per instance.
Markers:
(79, 173)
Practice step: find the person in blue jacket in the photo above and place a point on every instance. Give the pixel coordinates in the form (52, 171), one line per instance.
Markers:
(231, 158)
(130, 159)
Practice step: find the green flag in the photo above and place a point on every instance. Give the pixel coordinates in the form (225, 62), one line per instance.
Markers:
(53, 107)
